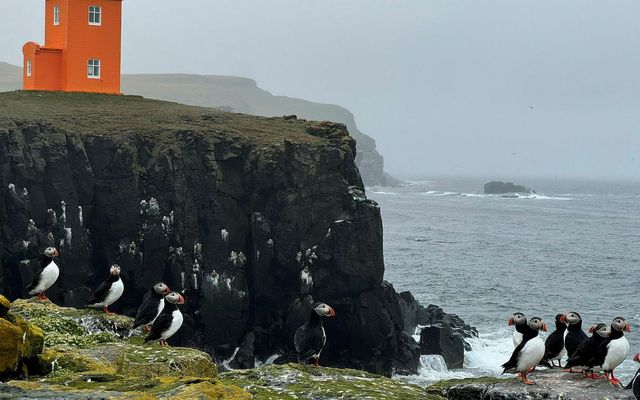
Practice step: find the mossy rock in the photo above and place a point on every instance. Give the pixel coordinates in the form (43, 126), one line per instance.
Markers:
(294, 381)
(139, 389)
(10, 347)
(71, 326)
(5, 304)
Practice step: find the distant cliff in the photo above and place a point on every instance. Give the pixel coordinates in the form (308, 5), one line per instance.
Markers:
(251, 217)
(238, 95)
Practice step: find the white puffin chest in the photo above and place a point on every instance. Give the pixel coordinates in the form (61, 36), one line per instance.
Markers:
(617, 351)
(48, 277)
(176, 323)
(517, 338)
(114, 293)
(531, 354)
(159, 311)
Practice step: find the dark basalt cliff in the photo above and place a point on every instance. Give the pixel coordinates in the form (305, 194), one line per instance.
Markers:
(250, 217)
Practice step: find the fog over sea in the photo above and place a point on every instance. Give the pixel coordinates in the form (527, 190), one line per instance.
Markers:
(573, 246)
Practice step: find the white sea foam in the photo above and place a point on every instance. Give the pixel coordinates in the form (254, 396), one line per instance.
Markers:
(508, 196)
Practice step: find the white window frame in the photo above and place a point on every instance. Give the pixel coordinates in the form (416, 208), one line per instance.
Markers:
(29, 67)
(92, 64)
(56, 15)
(96, 13)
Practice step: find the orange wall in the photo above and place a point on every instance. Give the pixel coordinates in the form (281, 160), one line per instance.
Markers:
(56, 35)
(100, 42)
(47, 70)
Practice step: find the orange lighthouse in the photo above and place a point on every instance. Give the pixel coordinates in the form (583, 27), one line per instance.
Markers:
(81, 52)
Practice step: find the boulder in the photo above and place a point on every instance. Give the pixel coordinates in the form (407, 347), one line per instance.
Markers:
(20, 345)
(442, 340)
(550, 384)
(496, 187)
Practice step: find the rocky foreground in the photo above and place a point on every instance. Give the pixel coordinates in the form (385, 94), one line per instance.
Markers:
(52, 352)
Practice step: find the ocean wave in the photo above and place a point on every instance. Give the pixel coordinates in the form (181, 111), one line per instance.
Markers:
(516, 196)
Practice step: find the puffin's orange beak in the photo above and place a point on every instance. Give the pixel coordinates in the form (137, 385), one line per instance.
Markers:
(628, 328)
(544, 327)
(332, 312)
(56, 254)
(181, 300)
(563, 319)
(167, 290)
(636, 358)
(510, 322)
(591, 328)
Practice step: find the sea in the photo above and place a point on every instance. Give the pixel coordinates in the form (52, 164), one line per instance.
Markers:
(571, 246)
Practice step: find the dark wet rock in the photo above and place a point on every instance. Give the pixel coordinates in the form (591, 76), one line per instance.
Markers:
(408, 357)
(504, 188)
(444, 341)
(550, 384)
(245, 357)
(251, 218)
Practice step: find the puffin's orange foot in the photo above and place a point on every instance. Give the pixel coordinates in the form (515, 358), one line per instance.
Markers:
(106, 311)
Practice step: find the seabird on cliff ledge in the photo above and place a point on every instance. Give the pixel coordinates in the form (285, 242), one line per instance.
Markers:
(109, 291)
(520, 322)
(46, 276)
(152, 305)
(310, 338)
(529, 353)
(169, 322)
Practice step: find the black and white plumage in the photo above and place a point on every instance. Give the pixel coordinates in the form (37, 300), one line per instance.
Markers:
(47, 274)
(169, 321)
(152, 305)
(109, 291)
(613, 351)
(635, 382)
(520, 322)
(583, 356)
(575, 334)
(310, 338)
(529, 352)
(554, 345)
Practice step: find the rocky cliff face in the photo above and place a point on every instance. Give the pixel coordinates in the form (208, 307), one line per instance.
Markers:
(239, 95)
(252, 218)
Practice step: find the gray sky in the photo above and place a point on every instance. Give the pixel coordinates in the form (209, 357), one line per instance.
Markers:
(444, 86)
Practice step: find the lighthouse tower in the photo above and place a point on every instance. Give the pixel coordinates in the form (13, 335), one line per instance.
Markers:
(81, 52)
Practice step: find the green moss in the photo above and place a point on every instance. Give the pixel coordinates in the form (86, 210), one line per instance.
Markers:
(10, 347)
(70, 326)
(5, 304)
(295, 381)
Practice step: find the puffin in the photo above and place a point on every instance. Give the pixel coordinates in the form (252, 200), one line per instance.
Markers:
(583, 355)
(613, 351)
(529, 352)
(310, 337)
(109, 291)
(169, 321)
(520, 322)
(152, 305)
(635, 382)
(46, 276)
(554, 345)
(575, 335)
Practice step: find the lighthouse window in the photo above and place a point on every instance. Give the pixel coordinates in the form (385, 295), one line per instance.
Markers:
(95, 15)
(93, 70)
(56, 15)
(29, 68)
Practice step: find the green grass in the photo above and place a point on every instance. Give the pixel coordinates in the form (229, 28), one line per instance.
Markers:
(97, 114)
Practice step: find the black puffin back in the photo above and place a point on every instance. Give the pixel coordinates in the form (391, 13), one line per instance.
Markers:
(584, 354)
(163, 322)
(148, 309)
(310, 338)
(575, 336)
(555, 342)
